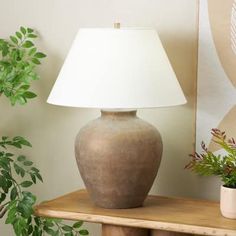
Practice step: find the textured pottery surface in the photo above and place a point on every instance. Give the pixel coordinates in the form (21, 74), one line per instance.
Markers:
(228, 202)
(118, 156)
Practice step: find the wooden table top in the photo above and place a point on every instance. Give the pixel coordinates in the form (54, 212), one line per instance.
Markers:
(164, 213)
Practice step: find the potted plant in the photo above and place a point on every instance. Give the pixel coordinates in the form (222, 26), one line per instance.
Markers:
(18, 60)
(208, 163)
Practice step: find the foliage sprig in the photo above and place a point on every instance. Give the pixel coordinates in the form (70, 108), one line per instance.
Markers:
(19, 206)
(18, 59)
(207, 163)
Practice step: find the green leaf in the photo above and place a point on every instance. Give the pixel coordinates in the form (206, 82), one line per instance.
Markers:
(14, 39)
(19, 35)
(25, 209)
(27, 44)
(33, 178)
(28, 163)
(30, 230)
(29, 95)
(22, 172)
(39, 176)
(32, 51)
(20, 99)
(19, 170)
(25, 142)
(2, 197)
(26, 184)
(37, 220)
(3, 185)
(49, 222)
(11, 215)
(21, 158)
(57, 233)
(49, 231)
(83, 232)
(29, 197)
(35, 169)
(9, 183)
(13, 194)
(78, 224)
(2, 181)
(23, 30)
(39, 55)
(36, 231)
(67, 228)
(32, 35)
(69, 234)
(9, 155)
(4, 163)
(6, 174)
(16, 144)
(25, 87)
(29, 220)
(35, 61)
(29, 30)
(12, 204)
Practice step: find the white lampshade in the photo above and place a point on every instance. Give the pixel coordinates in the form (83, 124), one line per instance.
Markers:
(117, 68)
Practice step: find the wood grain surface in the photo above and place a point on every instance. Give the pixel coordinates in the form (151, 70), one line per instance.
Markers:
(163, 213)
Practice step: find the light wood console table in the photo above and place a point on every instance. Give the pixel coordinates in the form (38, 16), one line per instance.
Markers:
(160, 216)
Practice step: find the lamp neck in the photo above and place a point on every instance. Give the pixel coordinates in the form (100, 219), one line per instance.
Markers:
(118, 113)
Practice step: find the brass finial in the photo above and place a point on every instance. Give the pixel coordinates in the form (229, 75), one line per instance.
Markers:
(117, 25)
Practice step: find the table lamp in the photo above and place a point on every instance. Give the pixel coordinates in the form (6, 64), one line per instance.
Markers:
(117, 70)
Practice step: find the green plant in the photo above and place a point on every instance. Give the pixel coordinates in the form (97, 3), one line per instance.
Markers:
(17, 173)
(19, 57)
(208, 163)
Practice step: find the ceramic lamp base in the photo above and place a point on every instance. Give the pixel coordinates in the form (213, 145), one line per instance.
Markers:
(118, 156)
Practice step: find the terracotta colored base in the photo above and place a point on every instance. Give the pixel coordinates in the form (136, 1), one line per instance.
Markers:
(118, 156)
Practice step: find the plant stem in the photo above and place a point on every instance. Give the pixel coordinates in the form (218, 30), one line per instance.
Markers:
(59, 227)
(5, 203)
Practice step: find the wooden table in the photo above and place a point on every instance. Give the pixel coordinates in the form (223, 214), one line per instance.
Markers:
(160, 216)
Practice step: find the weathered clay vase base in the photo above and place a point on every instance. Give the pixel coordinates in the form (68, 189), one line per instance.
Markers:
(118, 156)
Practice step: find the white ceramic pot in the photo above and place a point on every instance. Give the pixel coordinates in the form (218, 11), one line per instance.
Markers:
(228, 202)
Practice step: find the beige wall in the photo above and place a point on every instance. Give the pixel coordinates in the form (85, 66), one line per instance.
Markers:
(52, 129)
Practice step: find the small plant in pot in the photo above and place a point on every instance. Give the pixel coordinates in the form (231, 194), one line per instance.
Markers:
(207, 163)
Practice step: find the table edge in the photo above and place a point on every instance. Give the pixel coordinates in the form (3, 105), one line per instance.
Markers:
(149, 224)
